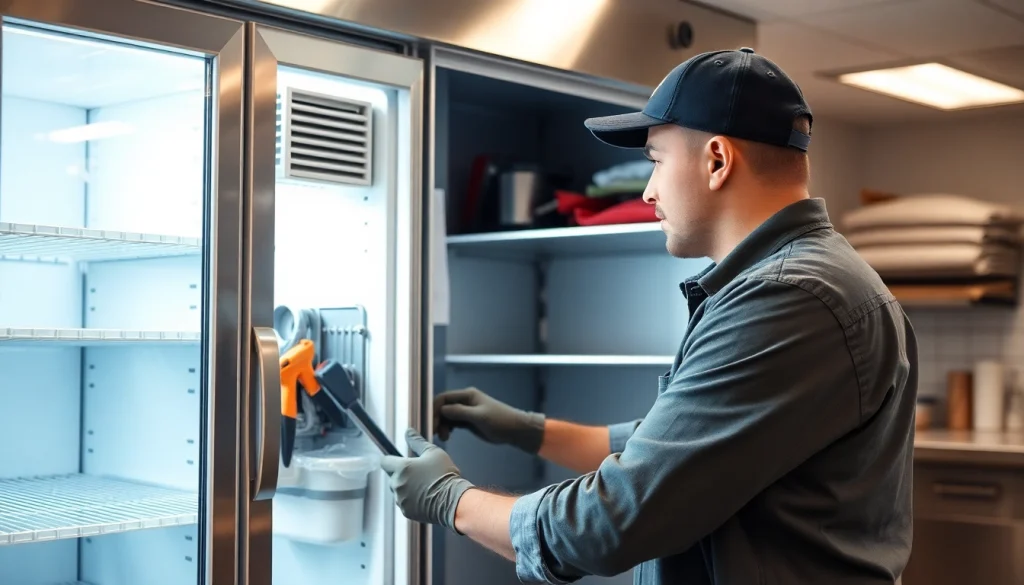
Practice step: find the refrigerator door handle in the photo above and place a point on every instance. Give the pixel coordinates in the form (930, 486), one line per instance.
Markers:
(268, 421)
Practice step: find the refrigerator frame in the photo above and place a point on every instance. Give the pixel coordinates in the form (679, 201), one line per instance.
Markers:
(220, 40)
(267, 48)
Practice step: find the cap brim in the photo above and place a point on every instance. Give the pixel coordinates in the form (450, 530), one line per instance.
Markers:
(623, 130)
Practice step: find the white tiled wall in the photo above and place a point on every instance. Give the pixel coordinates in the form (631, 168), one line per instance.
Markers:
(954, 339)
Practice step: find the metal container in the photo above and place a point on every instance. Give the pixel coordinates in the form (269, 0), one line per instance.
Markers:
(519, 192)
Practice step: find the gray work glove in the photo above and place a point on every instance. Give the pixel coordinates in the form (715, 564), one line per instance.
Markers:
(427, 488)
(487, 418)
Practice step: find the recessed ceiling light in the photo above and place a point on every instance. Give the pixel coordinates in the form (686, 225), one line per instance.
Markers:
(935, 85)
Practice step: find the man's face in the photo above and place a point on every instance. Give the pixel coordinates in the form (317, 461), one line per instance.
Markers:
(679, 190)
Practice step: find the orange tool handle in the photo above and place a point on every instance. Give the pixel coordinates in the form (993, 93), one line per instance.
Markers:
(297, 367)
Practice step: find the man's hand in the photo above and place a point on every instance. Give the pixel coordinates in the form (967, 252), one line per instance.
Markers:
(487, 418)
(427, 488)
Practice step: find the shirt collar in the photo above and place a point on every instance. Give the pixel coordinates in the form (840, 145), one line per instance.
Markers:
(787, 224)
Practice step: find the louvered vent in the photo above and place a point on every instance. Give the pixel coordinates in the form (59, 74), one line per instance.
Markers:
(325, 138)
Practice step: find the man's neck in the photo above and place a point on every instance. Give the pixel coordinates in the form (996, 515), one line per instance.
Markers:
(745, 213)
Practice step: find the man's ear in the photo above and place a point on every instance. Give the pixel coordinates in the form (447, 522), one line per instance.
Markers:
(720, 155)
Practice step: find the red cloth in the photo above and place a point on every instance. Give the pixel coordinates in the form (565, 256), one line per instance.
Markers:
(602, 211)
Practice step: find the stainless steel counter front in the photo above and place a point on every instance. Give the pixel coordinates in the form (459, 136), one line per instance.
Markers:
(970, 447)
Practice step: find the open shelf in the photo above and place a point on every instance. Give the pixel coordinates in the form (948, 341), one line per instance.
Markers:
(74, 506)
(991, 294)
(93, 337)
(559, 360)
(41, 243)
(567, 241)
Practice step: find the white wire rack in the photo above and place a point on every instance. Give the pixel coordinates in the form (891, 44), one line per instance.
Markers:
(93, 337)
(74, 506)
(42, 243)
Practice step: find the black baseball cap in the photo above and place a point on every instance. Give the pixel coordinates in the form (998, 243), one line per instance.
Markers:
(733, 93)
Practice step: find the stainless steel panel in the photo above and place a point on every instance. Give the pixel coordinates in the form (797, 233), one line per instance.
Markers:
(948, 552)
(968, 491)
(222, 39)
(633, 41)
(255, 523)
(630, 96)
(133, 20)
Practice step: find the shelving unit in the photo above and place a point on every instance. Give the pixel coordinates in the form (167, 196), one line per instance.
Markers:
(29, 242)
(93, 337)
(996, 294)
(532, 244)
(74, 506)
(560, 360)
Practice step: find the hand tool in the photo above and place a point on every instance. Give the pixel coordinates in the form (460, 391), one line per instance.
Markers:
(296, 368)
(330, 388)
(343, 396)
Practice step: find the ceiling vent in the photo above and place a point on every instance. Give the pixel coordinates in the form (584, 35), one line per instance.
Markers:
(324, 138)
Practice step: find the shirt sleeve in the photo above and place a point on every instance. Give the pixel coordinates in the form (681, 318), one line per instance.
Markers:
(619, 433)
(766, 380)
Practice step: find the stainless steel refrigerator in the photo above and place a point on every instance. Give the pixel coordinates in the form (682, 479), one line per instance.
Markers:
(168, 179)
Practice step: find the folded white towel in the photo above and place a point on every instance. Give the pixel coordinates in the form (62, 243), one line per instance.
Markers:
(934, 235)
(942, 260)
(639, 170)
(932, 210)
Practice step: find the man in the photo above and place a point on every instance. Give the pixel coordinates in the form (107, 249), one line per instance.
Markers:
(779, 449)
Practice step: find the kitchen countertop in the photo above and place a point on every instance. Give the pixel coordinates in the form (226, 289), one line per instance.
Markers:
(970, 447)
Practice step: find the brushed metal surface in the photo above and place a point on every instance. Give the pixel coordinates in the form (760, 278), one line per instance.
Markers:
(995, 448)
(625, 40)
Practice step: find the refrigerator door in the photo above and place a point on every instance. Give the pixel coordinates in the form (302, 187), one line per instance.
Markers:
(333, 255)
(120, 217)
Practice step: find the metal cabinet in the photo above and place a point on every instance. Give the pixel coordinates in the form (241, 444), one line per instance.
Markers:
(968, 525)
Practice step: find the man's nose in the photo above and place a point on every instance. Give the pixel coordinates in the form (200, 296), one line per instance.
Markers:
(650, 194)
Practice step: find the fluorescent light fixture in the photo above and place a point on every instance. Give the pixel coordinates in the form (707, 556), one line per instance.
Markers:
(935, 85)
(96, 131)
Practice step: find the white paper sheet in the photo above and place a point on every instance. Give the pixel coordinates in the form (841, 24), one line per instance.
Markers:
(439, 287)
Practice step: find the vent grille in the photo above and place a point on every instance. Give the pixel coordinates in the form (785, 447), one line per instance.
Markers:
(324, 138)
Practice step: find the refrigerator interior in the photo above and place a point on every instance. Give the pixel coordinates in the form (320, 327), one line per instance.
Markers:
(100, 330)
(335, 247)
(511, 300)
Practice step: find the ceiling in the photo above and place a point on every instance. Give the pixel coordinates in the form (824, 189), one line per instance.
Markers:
(810, 38)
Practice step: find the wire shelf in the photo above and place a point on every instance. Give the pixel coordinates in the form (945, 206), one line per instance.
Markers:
(42, 243)
(93, 337)
(74, 506)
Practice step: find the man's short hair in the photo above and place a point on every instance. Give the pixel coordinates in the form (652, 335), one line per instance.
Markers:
(777, 165)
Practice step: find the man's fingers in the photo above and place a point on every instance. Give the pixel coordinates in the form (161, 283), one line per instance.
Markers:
(444, 432)
(416, 442)
(390, 463)
(463, 396)
(458, 412)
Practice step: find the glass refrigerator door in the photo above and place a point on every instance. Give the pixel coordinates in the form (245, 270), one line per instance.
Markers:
(120, 162)
(334, 267)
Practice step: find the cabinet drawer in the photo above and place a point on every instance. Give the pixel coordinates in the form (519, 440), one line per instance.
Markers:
(968, 491)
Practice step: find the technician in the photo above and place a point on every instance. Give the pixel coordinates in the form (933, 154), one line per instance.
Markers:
(779, 448)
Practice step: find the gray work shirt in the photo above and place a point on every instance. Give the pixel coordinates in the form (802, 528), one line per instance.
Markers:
(779, 449)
